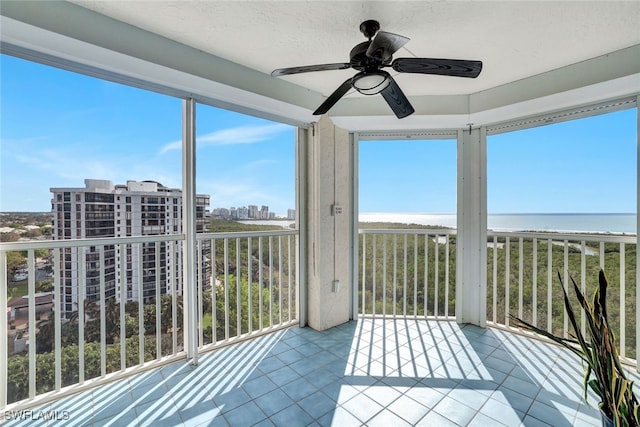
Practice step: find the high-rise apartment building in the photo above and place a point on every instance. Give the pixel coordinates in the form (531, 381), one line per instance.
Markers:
(102, 209)
(264, 212)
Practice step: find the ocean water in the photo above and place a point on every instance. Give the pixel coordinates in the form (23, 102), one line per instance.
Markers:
(563, 222)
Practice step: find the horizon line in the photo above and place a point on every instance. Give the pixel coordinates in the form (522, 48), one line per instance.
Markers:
(501, 213)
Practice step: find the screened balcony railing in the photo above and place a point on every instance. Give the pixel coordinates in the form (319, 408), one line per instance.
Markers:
(412, 273)
(248, 285)
(524, 272)
(253, 288)
(407, 273)
(69, 331)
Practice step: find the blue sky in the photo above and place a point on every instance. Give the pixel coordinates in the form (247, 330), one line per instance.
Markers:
(580, 166)
(58, 128)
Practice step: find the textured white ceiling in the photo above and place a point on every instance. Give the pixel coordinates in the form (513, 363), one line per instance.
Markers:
(538, 56)
(514, 39)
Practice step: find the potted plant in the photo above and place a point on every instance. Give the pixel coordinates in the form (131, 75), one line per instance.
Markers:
(599, 354)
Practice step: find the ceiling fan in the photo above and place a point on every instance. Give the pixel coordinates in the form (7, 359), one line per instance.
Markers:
(371, 56)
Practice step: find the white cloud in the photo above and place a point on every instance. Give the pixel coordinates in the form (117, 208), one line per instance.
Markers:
(70, 165)
(236, 135)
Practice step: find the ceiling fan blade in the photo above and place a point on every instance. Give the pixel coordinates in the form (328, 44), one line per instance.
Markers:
(443, 67)
(396, 100)
(309, 68)
(333, 98)
(384, 45)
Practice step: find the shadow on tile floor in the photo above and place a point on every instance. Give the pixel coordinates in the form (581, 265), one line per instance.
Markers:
(372, 372)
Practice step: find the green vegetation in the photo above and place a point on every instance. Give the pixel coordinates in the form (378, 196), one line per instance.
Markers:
(17, 260)
(30, 225)
(17, 290)
(226, 326)
(18, 369)
(419, 289)
(272, 279)
(410, 288)
(22, 219)
(241, 309)
(521, 293)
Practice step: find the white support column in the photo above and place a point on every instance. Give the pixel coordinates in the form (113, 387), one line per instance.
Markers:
(637, 231)
(471, 270)
(355, 223)
(302, 143)
(4, 338)
(189, 282)
(328, 240)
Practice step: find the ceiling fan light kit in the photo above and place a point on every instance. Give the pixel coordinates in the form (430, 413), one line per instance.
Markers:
(371, 83)
(371, 56)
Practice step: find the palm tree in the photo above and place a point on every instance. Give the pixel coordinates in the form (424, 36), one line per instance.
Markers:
(112, 320)
(45, 334)
(166, 312)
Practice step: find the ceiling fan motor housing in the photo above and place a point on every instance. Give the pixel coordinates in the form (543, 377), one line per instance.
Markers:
(369, 28)
(360, 61)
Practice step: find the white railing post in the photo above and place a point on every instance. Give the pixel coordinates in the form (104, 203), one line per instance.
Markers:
(103, 326)
(31, 287)
(214, 288)
(623, 306)
(200, 258)
(507, 279)
(426, 274)
(158, 298)
(238, 288)
(57, 318)
(534, 279)
(280, 281)
(226, 288)
(520, 276)
(124, 294)
(250, 285)
(374, 268)
(82, 288)
(495, 279)
(549, 285)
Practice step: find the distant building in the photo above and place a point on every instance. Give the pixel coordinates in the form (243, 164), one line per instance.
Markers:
(264, 212)
(243, 213)
(221, 213)
(102, 209)
(249, 212)
(253, 211)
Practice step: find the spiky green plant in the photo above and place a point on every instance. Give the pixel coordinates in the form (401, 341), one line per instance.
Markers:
(598, 351)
